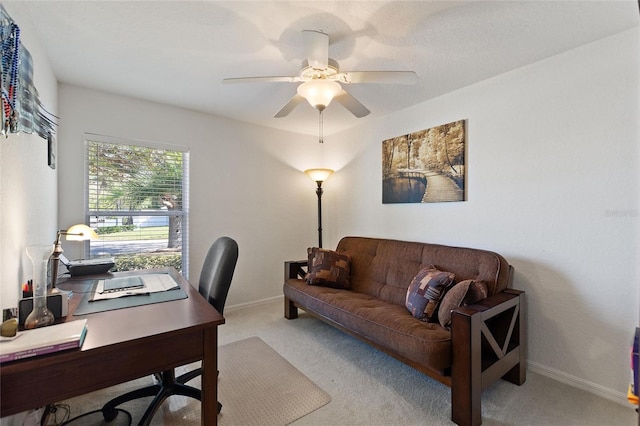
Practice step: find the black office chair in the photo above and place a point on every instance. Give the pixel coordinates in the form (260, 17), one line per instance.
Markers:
(215, 280)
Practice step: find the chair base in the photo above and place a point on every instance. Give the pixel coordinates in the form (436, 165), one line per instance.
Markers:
(160, 391)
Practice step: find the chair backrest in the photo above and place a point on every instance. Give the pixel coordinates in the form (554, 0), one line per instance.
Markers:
(217, 272)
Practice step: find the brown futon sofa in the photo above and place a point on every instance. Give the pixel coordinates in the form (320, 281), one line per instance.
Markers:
(362, 289)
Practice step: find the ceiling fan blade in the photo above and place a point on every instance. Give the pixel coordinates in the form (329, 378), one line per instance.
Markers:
(266, 79)
(316, 45)
(352, 104)
(386, 77)
(293, 102)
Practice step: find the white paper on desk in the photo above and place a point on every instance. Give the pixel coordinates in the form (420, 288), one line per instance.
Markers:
(153, 283)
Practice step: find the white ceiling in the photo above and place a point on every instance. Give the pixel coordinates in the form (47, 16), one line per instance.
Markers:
(178, 52)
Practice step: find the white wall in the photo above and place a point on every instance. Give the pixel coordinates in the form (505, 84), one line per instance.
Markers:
(28, 187)
(553, 185)
(246, 181)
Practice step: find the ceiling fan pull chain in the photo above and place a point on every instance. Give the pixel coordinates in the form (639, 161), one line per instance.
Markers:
(320, 132)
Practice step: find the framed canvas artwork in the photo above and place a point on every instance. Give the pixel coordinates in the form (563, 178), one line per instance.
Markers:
(427, 166)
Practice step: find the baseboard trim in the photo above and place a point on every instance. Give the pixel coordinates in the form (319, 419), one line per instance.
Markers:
(252, 304)
(576, 382)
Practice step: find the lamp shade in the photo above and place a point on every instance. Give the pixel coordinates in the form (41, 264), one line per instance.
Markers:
(319, 93)
(319, 175)
(80, 232)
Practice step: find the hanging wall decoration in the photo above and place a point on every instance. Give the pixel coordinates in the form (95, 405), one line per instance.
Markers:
(427, 166)
(51, 151)
(21, 109)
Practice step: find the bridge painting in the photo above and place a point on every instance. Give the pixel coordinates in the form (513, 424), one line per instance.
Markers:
(427, 166)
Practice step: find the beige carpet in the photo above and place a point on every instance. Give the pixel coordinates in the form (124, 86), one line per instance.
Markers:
(256, 386)
(369, 388)
(259, 387)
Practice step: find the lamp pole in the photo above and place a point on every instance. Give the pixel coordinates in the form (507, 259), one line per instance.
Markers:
(319, 192)
(319, 176)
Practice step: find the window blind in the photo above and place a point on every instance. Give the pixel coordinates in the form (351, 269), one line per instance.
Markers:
(135, 180)
(130, 186)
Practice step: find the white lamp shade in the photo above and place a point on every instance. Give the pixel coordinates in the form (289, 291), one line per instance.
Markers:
(319, 175)
(80, 232)
(319, 93)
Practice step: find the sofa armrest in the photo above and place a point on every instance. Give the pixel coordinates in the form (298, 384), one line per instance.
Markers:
(294, 269)
(489, 343)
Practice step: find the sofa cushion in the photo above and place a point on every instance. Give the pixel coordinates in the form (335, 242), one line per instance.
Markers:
(387, 324)
(384, 268)
(426, 291)
(328, 268)
(464, 293)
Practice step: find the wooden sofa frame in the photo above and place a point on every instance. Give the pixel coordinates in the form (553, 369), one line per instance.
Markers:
(488, 343)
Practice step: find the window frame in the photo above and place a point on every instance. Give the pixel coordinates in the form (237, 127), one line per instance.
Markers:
(184, 212)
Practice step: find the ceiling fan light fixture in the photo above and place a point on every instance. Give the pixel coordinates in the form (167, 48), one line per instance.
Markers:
(319, 93)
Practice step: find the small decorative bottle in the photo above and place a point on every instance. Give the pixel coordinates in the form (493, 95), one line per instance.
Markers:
(40, 316)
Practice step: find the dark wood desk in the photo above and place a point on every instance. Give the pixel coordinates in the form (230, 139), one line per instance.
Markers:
(120, 345)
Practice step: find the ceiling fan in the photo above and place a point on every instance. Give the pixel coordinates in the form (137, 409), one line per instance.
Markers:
(321, 79)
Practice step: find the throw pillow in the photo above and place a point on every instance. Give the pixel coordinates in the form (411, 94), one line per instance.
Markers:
(328, 268)
(477, 291)
(425, 291)
(464, 293)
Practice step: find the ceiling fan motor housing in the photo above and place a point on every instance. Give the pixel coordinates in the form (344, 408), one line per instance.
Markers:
(307, 72)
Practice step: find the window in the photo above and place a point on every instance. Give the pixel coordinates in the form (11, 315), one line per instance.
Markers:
(137, 200)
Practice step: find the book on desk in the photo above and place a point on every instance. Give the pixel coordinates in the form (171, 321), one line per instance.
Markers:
(44, 340)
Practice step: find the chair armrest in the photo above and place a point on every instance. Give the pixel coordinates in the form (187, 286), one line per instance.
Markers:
(294, 269)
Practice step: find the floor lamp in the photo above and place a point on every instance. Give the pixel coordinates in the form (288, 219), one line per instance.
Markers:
(319, 176)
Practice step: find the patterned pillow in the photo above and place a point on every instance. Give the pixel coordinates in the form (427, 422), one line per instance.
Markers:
(425, 291)
(328, 268)
(464, 293)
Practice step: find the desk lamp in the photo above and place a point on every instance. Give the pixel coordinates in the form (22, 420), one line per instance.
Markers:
(319, 176)
(79, 232)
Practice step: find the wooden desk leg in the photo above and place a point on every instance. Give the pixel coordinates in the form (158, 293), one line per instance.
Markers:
(209, 401)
